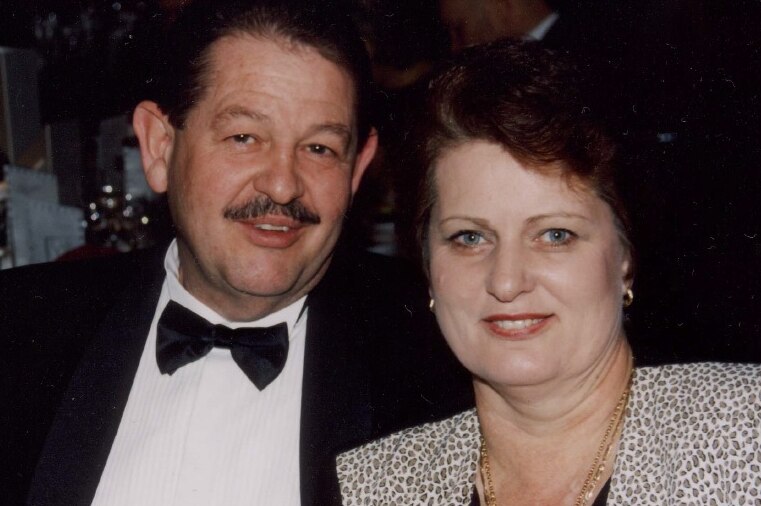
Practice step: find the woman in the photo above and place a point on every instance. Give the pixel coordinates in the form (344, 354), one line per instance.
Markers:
(525, 242)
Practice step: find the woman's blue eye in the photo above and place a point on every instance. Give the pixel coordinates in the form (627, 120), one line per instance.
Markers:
(556, 236)
(468, 238)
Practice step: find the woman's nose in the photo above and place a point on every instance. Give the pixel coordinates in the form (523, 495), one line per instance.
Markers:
(510, 273)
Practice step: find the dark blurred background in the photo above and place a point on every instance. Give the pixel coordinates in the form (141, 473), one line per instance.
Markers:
(679, 80)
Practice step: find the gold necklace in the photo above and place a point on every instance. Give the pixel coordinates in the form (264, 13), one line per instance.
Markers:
(598, 464)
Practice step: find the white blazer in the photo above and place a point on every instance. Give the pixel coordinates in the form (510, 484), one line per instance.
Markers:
(692, 436)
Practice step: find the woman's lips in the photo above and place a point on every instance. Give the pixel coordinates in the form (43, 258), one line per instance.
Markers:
(517, 326)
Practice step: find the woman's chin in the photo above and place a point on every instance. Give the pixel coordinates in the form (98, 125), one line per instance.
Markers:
(516, 374)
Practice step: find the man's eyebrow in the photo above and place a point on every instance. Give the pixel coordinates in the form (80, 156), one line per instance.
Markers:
(338, 129)
(237, 112)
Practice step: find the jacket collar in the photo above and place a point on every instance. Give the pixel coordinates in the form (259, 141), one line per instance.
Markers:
(78, 444)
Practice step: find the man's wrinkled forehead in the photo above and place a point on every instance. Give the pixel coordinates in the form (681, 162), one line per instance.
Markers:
(216, 56)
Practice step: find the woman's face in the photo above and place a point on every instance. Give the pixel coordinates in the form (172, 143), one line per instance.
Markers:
(527, 273)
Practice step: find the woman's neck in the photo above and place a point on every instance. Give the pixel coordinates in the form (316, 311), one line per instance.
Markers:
(547, 435)
(558, 404)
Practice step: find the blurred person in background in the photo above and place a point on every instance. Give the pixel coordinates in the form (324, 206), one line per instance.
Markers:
(476, 22)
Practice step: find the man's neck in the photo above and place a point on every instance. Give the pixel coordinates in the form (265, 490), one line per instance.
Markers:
(240, 306)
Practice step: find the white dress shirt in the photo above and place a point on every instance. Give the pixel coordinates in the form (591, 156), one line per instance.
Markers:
(206, 435)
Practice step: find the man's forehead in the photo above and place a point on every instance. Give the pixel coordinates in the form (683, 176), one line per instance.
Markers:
(244, 63)
(286, 88)
(231, 51)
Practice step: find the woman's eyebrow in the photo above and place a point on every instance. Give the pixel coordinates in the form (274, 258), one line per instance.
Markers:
(560, 214)
(476, 221)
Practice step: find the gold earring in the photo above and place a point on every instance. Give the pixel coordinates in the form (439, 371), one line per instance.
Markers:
(431, 304)
(628, 297)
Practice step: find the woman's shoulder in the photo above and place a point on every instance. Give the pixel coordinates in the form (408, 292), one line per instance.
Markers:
(691, 430)
(422, 439)
(690, 402)
(408, 461)
(702, 382)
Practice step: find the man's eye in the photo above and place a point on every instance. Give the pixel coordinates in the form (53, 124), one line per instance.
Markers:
(242, 139)
(320, 149)
(467, 238)
(557, 236)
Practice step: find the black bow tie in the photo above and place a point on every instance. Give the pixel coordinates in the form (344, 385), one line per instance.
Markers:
(183, 337)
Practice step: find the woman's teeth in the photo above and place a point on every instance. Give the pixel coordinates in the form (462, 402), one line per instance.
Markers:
(516, 324)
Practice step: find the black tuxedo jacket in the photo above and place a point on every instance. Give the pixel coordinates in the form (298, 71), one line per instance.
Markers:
(74, 334)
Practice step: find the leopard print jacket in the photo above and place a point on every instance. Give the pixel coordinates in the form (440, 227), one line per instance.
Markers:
(692, 436)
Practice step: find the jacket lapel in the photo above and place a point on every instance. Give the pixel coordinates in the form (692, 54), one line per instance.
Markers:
(335, 406)
(78, 444)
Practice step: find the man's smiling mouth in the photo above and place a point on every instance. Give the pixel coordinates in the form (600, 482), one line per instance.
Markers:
(272, 228)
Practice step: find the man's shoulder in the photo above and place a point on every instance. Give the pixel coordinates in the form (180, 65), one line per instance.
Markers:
(49, 315)
(68, 276)
(372, 284)
(379, 306)
(46, 302)
(371, 271)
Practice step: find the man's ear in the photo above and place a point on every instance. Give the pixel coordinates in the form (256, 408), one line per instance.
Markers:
(364, 157)
(156, 136)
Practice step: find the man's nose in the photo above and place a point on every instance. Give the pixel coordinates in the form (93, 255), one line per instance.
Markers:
(280, 178)
(511, 273)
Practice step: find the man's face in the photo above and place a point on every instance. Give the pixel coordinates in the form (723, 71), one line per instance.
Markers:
(260, 177)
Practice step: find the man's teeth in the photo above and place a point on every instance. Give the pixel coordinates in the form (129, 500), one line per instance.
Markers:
(278, 228)
(516, 324)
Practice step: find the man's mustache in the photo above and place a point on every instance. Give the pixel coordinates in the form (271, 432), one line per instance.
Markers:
(263, 206)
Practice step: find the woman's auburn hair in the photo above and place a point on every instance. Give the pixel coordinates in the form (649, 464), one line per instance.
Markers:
(532, 101)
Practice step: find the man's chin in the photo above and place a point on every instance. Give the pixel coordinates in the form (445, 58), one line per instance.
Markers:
(278, 291)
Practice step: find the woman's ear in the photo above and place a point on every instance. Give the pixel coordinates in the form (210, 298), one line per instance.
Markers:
(627, 271)
(156, 136)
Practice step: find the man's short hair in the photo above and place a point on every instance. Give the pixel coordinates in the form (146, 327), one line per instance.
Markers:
(322, 25)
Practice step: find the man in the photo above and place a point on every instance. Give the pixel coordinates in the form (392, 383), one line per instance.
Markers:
(112, 395)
